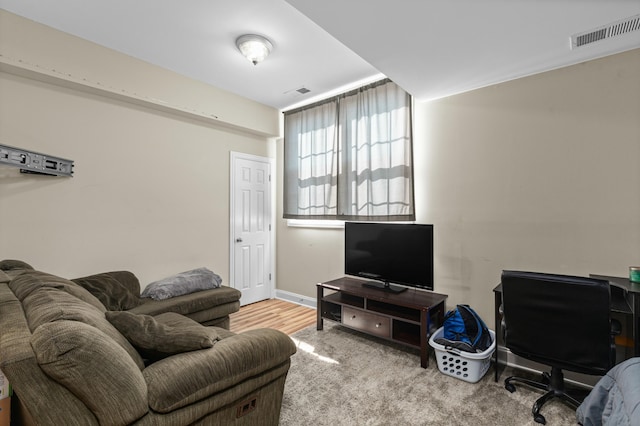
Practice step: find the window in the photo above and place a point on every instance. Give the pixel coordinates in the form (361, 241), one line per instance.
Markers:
(350, 157)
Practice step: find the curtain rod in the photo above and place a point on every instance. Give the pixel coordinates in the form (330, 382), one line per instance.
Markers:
(341, 95)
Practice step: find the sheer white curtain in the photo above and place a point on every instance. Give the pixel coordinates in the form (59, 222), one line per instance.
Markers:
(350, 158)
(310, 163)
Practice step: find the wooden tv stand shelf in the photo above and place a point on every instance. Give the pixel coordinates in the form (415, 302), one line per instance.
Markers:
(408, 318)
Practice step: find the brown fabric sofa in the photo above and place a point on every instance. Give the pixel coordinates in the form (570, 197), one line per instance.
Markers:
(68, 364)
(120, 291)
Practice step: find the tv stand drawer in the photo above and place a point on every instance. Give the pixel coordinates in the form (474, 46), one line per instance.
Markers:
(377, 325)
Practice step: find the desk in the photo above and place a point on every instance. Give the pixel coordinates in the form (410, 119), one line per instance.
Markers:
(625, 302)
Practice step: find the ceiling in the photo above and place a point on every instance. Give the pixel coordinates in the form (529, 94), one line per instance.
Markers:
(432, 48)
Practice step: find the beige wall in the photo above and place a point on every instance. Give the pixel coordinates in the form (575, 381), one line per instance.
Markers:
(540, 173)
(37, 50)
(150, 192)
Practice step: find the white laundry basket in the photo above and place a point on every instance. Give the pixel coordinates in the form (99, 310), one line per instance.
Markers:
(467, 366)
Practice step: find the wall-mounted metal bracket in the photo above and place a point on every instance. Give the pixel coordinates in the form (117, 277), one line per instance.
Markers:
(33, 162)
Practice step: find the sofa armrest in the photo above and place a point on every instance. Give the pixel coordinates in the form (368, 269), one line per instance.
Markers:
(183, 379)
(189, 303)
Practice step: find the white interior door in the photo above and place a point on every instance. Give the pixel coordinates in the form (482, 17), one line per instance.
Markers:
(251, 240)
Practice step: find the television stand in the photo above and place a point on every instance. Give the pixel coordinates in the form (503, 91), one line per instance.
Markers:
(384, 286)
(408, 318)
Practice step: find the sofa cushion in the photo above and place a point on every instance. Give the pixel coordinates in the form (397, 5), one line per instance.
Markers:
(49, 304)
(113, 289)
(191, 303)
(13, 268)
(184, 379)
(88, 363)
(11, 265)
(167, 334)
(183, 283)
(26, 283)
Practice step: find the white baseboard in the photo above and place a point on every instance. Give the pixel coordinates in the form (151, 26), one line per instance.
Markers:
(309, 302)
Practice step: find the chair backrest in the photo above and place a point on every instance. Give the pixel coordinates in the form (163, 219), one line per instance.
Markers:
(558, 320)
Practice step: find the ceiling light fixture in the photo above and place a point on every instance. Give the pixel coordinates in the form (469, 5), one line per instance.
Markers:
(254, 47)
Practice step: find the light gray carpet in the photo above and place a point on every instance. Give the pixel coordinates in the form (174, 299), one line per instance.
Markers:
(341, 377)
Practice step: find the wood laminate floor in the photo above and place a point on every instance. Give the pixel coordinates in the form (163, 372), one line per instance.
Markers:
(273, 313)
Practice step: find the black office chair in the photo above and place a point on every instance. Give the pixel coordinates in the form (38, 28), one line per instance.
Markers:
(560, 321)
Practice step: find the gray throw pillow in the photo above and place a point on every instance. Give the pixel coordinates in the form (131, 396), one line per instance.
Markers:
(163, 335)
(183, 283)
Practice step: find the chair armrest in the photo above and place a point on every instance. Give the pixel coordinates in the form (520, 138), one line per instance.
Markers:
(185, 378)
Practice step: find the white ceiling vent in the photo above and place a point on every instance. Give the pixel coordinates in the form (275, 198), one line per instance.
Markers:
(614, 29)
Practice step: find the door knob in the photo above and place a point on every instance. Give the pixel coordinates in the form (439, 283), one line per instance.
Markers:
(238, 240)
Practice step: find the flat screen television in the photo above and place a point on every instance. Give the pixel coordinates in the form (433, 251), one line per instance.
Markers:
(390, 253)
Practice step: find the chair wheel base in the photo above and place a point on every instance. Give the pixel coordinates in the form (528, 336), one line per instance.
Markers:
(552, 384)
(539, 418)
